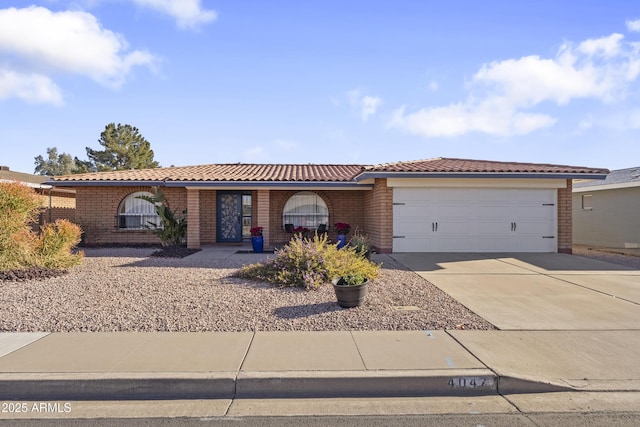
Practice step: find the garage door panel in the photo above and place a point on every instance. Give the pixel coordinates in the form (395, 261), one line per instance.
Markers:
(474, 220)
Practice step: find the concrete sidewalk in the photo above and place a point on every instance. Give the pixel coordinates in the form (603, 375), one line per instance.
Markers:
(246, 365)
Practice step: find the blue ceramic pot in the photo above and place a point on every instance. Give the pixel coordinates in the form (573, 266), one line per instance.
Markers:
(258, 244)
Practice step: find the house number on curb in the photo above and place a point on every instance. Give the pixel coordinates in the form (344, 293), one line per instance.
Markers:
(470, 382)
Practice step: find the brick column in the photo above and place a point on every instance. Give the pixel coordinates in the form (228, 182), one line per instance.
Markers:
(193, 219)
(262, 215)
(378, 216)
(565, 236)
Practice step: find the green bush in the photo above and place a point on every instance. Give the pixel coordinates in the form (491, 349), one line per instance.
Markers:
(310, 263)
(20, 246)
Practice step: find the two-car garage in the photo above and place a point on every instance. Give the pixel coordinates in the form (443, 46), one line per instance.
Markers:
(449, 219)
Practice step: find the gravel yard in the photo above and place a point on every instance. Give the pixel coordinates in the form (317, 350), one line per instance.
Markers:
(609, 255)
(123, 289)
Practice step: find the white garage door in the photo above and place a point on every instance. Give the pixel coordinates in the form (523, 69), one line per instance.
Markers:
(474, 220)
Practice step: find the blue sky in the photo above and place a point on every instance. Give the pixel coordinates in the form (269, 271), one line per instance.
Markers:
(344, 81)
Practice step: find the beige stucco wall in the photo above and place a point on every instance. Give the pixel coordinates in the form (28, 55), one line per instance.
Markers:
(614, 220)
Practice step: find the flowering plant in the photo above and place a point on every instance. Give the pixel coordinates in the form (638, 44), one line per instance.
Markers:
(342, 227)
(256, 231)
(301, 229)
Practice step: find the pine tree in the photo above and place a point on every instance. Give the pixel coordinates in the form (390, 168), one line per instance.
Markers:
(124, 148)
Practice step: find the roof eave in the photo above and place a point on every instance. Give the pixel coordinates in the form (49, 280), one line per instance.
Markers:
(225, 184)
(506, 175)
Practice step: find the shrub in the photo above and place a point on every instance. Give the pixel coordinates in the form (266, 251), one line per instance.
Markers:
(173, 227)
(55, 243)
(360, 242)
(310, 263)
(19, 206)
(20, 246)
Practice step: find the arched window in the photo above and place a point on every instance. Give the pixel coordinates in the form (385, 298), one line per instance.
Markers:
(305, 209)
(135, 213)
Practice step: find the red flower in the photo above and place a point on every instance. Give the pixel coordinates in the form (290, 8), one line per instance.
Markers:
(342, 227)
(256, 231)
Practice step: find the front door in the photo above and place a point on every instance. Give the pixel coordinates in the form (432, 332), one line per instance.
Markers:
(229, 217)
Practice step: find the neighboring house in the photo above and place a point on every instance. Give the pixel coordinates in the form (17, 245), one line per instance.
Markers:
(58, 202)
(439, 204)
(607, 213)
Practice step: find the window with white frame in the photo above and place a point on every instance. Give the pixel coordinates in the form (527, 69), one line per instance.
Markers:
(136, 214)
(305, 209)
(587, 202)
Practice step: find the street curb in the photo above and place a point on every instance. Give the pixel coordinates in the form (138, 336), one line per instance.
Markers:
(262, 385)
(117, 386)
(513, 385)
(328, 384)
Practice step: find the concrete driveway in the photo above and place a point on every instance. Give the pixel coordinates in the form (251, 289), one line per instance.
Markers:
(536, 291)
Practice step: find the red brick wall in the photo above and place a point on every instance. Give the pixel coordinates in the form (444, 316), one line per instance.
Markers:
(97, 208)
(260, 209)
(193, 219)
(344, 206)
(207, 216)
(58, 206)
(378, 217)
(565, 236)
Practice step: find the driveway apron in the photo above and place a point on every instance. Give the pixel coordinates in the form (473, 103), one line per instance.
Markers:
(536, 291)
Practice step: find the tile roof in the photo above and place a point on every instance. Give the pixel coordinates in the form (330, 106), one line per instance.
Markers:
(238, 172)
(9, 175)
(619, 176)
(443, 165)
(241, 172)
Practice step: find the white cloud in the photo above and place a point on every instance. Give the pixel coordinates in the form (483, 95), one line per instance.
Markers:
(501, 92)
(633, 26)
(31, 88)
(433, 86)
(369, 105)
(606, 46)
(365, 105)
(37, 41)
(458, 119)
(188, 13)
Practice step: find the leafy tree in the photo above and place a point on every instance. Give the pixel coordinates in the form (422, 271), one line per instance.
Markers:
(124, 148)
(55, 164)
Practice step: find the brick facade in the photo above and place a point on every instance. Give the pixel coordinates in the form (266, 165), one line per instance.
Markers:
(344, 206)
(565, 223)
(57, 205)
(371, 211)
(207, 217)
(378, 217)
(97, 210)
(193, 219)
(261, 200)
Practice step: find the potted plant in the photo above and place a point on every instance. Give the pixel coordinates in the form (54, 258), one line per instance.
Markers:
(350, 289)
(342, 229)
(257, 240)
(302, 232)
